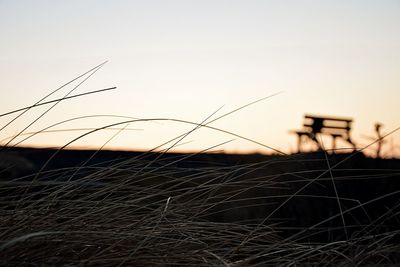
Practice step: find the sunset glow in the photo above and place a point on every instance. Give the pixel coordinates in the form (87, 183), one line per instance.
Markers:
(184, 60)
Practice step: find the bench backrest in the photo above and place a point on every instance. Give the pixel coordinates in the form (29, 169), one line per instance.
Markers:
(329, 125)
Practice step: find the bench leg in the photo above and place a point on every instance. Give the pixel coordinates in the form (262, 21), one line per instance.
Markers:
(333, 144)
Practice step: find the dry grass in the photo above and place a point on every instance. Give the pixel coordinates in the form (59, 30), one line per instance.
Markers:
(127, 215)
(150, 210)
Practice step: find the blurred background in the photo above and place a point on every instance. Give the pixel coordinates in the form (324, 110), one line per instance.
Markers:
(186, 59)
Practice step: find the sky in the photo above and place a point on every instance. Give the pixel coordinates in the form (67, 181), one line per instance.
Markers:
(191, 60)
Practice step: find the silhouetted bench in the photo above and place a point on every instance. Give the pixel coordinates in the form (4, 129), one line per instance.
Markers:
(335, 127)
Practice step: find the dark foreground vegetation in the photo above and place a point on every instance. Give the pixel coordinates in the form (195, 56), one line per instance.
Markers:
(111, 208)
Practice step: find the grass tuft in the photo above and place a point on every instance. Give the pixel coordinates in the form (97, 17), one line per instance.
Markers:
(201, 209)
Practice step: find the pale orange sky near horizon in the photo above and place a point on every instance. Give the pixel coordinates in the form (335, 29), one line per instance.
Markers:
(186, 59)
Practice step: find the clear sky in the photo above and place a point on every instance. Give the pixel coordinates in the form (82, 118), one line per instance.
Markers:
(185, 59)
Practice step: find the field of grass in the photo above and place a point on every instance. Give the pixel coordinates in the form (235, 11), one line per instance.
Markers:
(99, 208)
